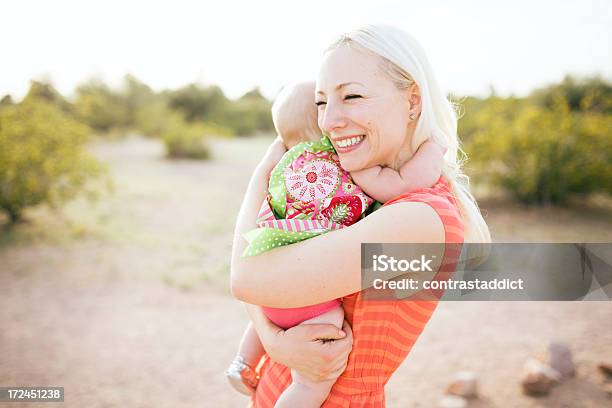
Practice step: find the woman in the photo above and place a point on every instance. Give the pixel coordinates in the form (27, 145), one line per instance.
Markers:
(374, 84)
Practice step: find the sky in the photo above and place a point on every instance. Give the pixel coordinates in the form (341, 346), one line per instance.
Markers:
(512, 46)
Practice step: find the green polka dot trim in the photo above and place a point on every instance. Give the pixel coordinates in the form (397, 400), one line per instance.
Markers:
(264, 239)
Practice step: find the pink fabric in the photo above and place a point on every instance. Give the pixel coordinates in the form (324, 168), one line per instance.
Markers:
(287, 318)
(320, 197)
(318, 188)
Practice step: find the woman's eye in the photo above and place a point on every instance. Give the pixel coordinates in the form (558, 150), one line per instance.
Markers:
(352, 96)
(319, 103)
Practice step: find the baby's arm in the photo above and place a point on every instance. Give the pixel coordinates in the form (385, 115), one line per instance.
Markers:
(384, 183)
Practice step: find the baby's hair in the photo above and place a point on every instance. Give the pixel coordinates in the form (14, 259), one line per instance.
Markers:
(294, 114)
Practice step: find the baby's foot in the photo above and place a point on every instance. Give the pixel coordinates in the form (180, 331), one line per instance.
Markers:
(241, 376)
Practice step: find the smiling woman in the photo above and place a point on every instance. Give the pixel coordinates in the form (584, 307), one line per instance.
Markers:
(364, 109)
(379, 103)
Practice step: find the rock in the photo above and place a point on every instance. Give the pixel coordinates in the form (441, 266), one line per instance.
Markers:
(538, 378)
(560, 359)
(607, 388)
(451, 401)
(605, 368)
(463, 385)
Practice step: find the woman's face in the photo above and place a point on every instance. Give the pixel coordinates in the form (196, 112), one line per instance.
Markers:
(363, 112)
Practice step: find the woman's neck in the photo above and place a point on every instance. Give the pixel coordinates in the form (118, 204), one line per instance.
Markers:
(404, 153)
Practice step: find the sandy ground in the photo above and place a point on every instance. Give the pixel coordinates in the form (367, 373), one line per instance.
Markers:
(125, 303)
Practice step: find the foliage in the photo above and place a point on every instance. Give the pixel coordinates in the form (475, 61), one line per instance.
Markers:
(42, 159)
(183, 139)
(136, 106)
(587, 94)
(245, 116)
(136, 96)
(540, 153)
(46, 92)
(152, 119)
(250, 114)
(6, 100)
(199, 103)
(541, 148)
(100, 107)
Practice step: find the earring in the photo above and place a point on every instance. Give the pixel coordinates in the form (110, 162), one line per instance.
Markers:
(412, 116)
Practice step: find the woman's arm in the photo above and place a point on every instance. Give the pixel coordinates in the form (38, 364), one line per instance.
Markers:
(300, 348)
(325, 267)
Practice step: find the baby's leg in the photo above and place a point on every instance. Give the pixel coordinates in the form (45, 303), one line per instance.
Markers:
(303, 393)
(250, 352)
(250, 347)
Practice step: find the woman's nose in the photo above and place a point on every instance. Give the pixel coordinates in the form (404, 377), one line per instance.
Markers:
(332, 118)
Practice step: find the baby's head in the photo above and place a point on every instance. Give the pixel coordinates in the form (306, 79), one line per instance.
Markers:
(294, 114)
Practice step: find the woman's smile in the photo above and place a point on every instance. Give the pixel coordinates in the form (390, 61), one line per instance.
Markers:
(346, 144)
(362, 111)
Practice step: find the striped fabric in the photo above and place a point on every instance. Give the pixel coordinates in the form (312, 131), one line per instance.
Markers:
(266, 219)
(384, 330)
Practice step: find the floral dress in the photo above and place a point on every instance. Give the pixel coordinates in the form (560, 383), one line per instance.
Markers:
(309, 194)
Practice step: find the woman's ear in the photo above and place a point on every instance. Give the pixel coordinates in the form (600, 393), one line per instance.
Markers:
(414, 99)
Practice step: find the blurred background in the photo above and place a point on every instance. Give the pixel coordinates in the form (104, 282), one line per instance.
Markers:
(128, 133)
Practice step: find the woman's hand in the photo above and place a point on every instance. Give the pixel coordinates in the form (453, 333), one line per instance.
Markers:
(301, 348)
(272, 156)
(317, 351)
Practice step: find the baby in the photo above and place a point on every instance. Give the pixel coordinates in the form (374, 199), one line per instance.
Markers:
(311, 194)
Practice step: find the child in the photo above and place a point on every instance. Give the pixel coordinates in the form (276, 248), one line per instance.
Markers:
(312, 194)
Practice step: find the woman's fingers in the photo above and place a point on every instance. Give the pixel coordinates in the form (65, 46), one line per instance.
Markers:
(324, 332)
(337, 366)
(319, 351)
(346, 328)
(332, 375)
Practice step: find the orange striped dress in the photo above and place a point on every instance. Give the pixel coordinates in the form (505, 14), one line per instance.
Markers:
(384, 331)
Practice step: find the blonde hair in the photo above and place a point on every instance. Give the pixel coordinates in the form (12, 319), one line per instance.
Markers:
(294, 114)
(404, 61)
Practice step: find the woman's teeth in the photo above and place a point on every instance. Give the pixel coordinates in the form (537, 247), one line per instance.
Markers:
(349, 142)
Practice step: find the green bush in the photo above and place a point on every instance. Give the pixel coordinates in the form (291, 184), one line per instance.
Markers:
(197, 103)
(183, 139)
(43, 157)
(100, 107)
(539, 154)
(249, 114)
(153, 119)
(245, 116)
(136, 96)
(582, 94)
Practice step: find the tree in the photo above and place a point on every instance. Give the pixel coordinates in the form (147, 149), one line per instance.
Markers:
(250, 114)
(136, 96)
(6, 100)
(587, 94)
(200, 103)
(100, 107)
(46, 92)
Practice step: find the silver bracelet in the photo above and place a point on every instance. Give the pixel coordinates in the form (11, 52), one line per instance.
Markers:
(241, 375)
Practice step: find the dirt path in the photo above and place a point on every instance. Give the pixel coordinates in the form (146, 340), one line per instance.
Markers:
(124, 303)
(143, 345)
